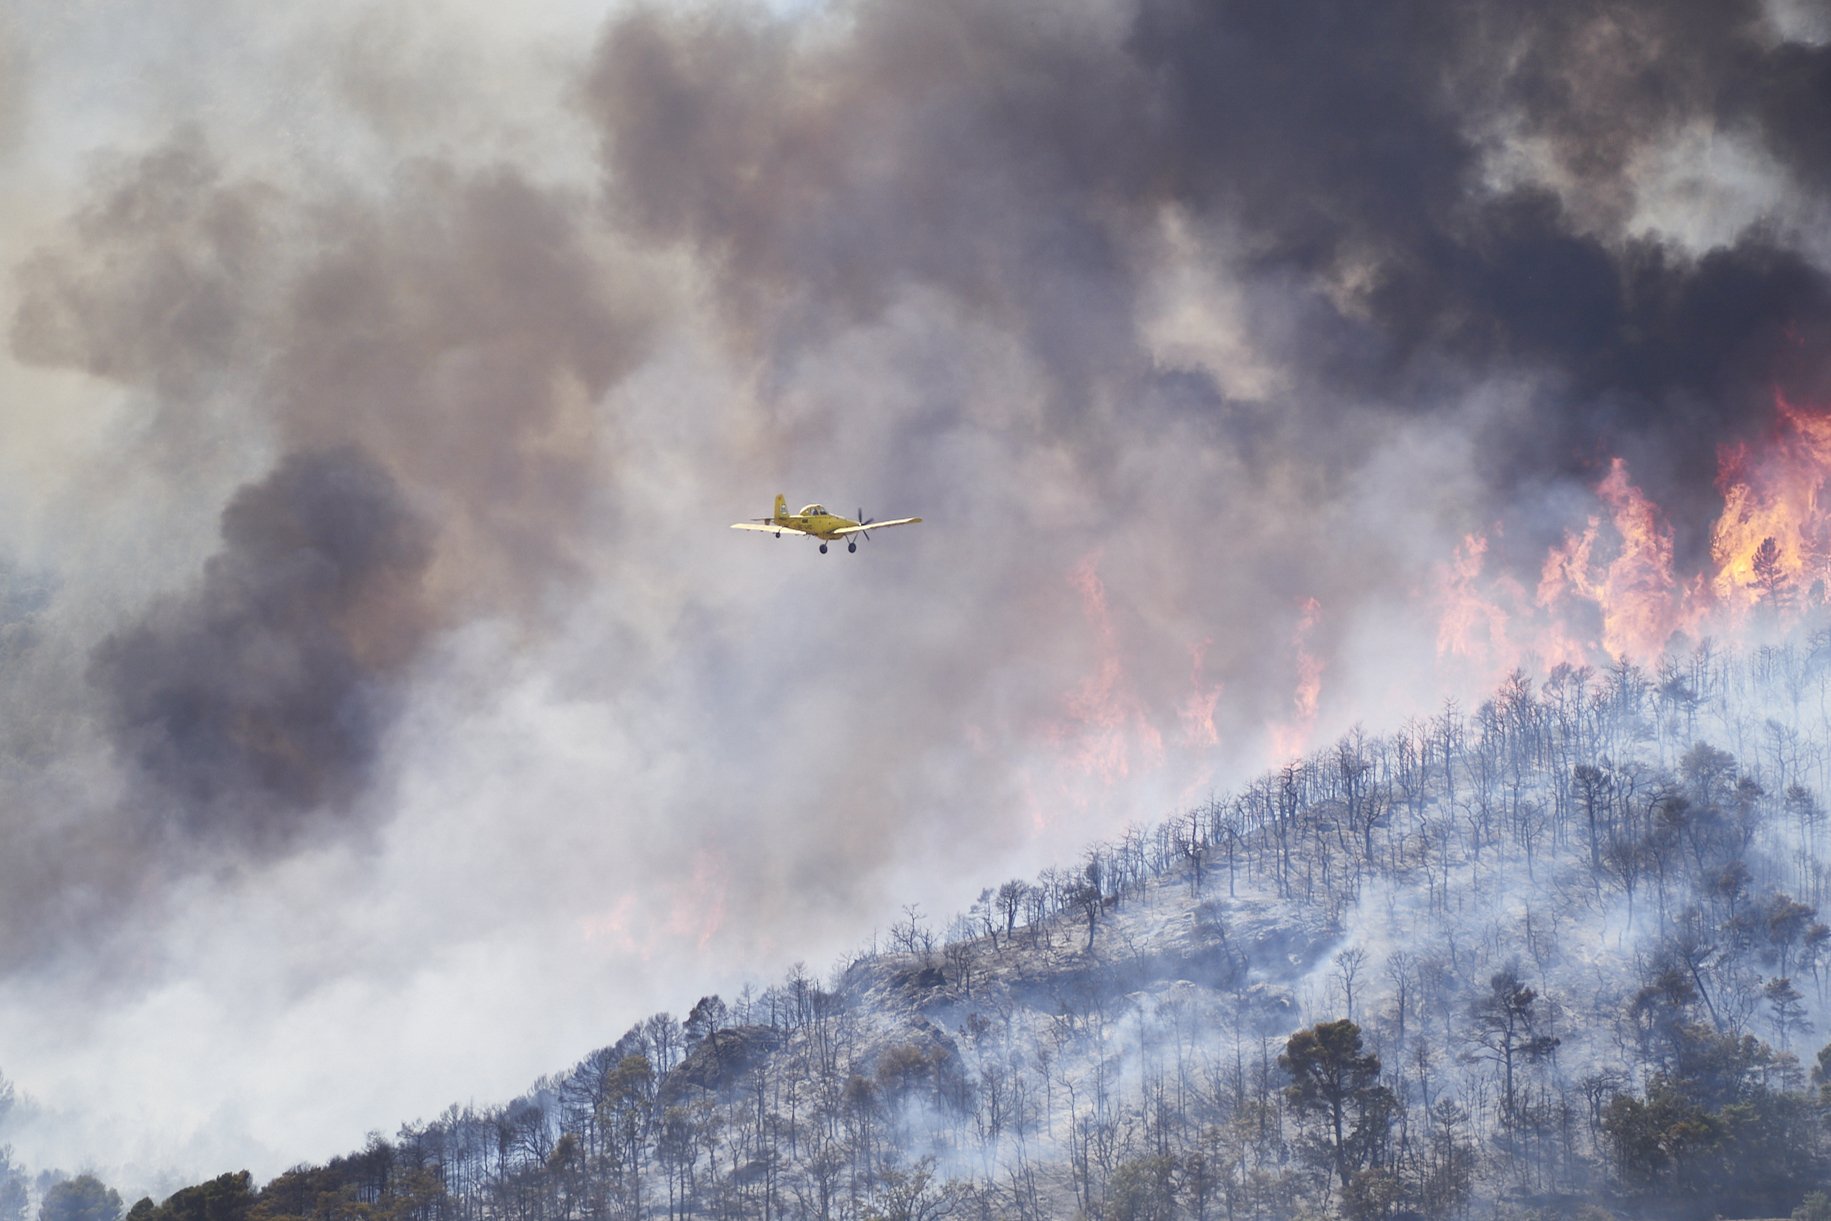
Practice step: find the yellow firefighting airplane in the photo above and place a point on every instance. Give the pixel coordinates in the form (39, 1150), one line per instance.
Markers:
(816, 522)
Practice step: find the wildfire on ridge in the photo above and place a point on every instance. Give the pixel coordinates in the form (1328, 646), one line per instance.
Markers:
(1197, 711)
(1609, 591)
(1472, 621)
(1104, 723)
(1105, 731)
(696, 909)
(1633, 592)
(1773, 541)
(688, 910)
(1289, 738)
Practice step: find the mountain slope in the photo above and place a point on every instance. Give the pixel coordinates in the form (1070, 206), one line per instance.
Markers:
(1559, 953)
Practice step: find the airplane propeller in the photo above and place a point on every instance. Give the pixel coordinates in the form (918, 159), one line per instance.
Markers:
(852, 545)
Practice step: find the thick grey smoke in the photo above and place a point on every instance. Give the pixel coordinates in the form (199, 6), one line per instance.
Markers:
(823, 173)
(153, 284)
(372, 632)
(1418, 199)
(459, 327)
(263, 696)
(433, 355)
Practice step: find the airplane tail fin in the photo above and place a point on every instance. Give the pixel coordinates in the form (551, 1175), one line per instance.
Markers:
(781, 508)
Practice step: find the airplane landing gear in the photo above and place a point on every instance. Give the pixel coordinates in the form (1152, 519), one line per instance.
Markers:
(823, 549)
(851, 546)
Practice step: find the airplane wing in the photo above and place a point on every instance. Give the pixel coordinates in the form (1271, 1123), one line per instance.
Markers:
(772, 527)
(875, 525)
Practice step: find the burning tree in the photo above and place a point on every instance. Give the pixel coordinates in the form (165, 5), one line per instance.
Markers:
(1772, 584)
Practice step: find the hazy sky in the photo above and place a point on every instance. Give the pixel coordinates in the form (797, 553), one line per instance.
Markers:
(389, 716)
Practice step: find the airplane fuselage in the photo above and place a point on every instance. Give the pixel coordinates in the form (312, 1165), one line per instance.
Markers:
(815, 521)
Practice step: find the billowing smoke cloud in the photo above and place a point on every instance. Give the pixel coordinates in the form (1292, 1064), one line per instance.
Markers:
(376, 415)
(458, 331)
(1425, 253)
(1416, 200)
(459, 327)
(402, 421)
(960, 147)
(155, 282)
(264, 696)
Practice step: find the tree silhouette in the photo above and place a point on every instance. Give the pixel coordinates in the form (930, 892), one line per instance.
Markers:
(1505, 1029)
(83, 1198)
(1771, 581)
(1336, 1085)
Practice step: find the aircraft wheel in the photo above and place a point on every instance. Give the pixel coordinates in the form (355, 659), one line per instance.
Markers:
(851, 546)
(823, 549)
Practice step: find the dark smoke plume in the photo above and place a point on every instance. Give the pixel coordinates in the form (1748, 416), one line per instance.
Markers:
(958, 146)
(1341, 160)
(442, 344)
(264, 696)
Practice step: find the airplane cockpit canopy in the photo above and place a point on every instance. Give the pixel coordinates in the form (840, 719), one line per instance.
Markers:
(813, 511)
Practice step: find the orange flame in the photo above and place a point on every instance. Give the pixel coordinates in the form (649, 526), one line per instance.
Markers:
(1639, 612)
(694, 906)
(613, 925)
(1609, 591)
(1773, 543)
(696, 909)
(1564, 572)
(1104, 721)
(1471, 623)
(1291, 737)
(1197, 711)
(1635, 592)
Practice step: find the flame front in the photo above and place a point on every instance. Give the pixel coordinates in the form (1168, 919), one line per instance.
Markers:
(1104, 723)
(1105, 732)
(1290, 738)
(1773, 543)
(1197, 712)
(1634, 591)
(1472, 622)
(1609, 591)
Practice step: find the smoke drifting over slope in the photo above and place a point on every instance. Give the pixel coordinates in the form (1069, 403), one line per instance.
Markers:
(398, 424)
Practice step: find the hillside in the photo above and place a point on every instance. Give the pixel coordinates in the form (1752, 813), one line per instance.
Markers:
(1559, 955)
